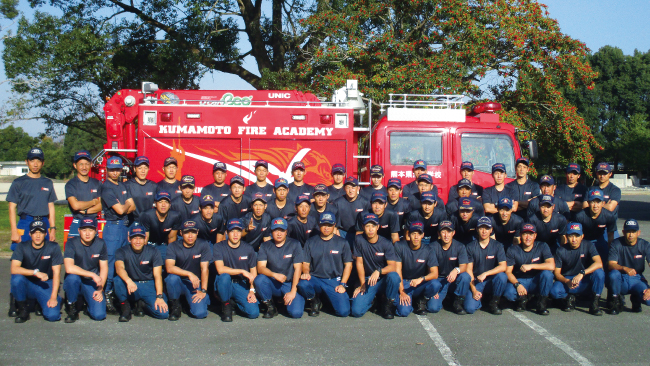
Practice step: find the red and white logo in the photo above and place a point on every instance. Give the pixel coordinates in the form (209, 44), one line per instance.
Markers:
(288, 255)
(45, 257)
(554, 230)
(535, 260)
(44, 189)
(123, 192)
(243, 258)
(420, 261)
(528, 192)
(196, 256)
(359, 209)
(582, 255)
(149, 194)
(602, 225)
(489, 257)
(511, 231)
(638, 256)
(142, 263)
(334, 252)
(93, 191)
(384, 226)
(379, 254)
(94, 256)
(453, 258)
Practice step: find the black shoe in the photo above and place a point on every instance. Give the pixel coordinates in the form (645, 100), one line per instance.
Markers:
(37, 309)
(23, 312)
(12, 307)
(541, 305)
(387, 309)
(613, 303)
(493, 306)
(569, 303)
(125, 310)
(315, 306)
(457, 306)
(594, 308)
(226, 308)
(636, 304)
(271, 311)
(110, 303)
(73, 313)
(139, 308)
(421, 306)
(174, 309)
(520, 304)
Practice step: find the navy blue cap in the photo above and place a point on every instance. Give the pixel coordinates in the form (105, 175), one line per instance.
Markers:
(596, 194)
(466, 165)
(258, 197)
(189, 225)
(631, 225)
(505, 202)
(574, 228)
(114, 162)
(163, 195)
(141, 160)
(237, 179)
(187, 180)
(499, 166)
(429, 196)
(523, 160)
(420, 164)
(464, 183)
(219, 166)
(36, 153)
(376, 170)
(573, 167)
(484, 221)
(302, 198)
(298, 165)
(528, 228)
(206, 200)
(547, 179)
(137, 231)
(378, 196)
(320, 189)
(261, 163)
(416, 226)
(370, 218)
(279, 223)
(338, 168)
(546, 199)
(351, 180)
(82, 154)
(37, 225)
(169, 161)
(327, 218)
(234, 224)
(394, 182)
(603, 167)
(446, 225)
(281, 182)
(425, 177)
(465, 204)
(88, 221)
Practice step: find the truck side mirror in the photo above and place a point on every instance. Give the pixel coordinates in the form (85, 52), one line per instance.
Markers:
(532, 148)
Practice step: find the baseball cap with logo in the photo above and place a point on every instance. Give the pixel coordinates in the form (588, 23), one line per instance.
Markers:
(528, 228)
(88, 222)
(631, 225)
(279, 223)
(574, 228)
(464, 183)
(370, 218)
(37, 225)
(327, 218)
(420, 164)
(429, 196)
(596, 194)
(261, 163)
(573, 167)
(465, 204)
(302, 198)
(189, 225)
(505, 202)
(187, 181)
(351, 180)
(206, 200)
(378, 196)
(523, 160)
(484, 221)
(603, 167)
(320, 189)
(163, 195)
(466, 165)
(141, 160)
(237, 179)
(376, 170)
(394, 182)
(446, 225)
(338, 168)
(499, 166)
(114, 162)
(281, 182)
(219, 166)
(235, 224)
(82, 154)
(546, 199)
(169, 161)
(137, 231)
(426, 178)
(36, 153)
(416, 226)
(298, 165)
(258, 197)
(547, 179)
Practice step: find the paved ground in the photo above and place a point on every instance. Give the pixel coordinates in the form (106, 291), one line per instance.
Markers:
(438, 339)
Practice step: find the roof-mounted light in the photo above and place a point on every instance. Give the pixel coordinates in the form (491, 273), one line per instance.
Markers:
(487, 107)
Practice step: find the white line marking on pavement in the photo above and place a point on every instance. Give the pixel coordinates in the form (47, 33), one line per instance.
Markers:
(437, 339)
(549, 337)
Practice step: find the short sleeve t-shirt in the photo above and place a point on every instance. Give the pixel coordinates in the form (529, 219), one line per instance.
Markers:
(402, 208)
(348, 211)
(159, 231)
(485, 259)
(375, 256)
(143, 196)
(281, 259)
(139, 266)
(560, 207)
(267, 191)
(506, 233)
(32, 195)
(595, 228)
(242, 257)
(430, 224)
(83, 192)
(335, 193)
(453, 207)
(302, 231)
(465, 230)
(208, 230)
(113, 194)
(493, 196)
(451, 258)
(477, 192)
(631, 256)
(367, 191)
(327, 257)
(229, 209)
(295, 191)
(275, 211)
(329, 207)
(524, 192)
(517, 257)
(43, 259)
(189, 259)
(219, 193)
(572, 261)
(612, 193)
(549, 232)
(186, 210)
(174, 189)
(415, 263)
(567, 194)
(388, 224)
(262, 229)
(86, 257)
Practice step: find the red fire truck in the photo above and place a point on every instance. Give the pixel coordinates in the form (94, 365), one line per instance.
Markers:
(201, 127)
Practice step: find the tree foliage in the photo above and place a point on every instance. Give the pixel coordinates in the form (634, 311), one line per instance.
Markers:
(15, 143)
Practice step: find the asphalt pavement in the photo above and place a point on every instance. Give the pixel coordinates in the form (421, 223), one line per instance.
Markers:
(436, 339)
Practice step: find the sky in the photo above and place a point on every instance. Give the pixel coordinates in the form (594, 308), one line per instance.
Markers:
(597, 23)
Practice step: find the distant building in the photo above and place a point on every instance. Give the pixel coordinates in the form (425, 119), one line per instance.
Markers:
(17, 168)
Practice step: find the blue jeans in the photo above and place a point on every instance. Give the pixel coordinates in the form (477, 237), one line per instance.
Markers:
(594, 281)
(23, 224)
(116, 236)
(623, 284)
(237, 290)
(459, 286)
(540, 284)
(177, 286)
(317, 286)
(387, 284)
(74, 284)
(162, 249)
(428, 289)
(23, 289)
(267, 287)
(495, 285)
(146, 292)
(603, 248)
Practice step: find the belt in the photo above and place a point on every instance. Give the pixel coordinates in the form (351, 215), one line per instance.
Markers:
(118, 222)
(36, 218)
(143, 281)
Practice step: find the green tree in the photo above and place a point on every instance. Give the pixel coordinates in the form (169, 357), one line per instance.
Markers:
(56, 165)
(15, 143)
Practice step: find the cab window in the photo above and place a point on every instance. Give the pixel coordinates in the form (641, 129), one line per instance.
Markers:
(407, 147)
(485, 150)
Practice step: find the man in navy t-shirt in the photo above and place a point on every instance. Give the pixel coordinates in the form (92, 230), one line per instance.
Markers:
(237, 204)
(611, 193)
(573, 193)
(161, 224)
(35, 274)
(465, 220)
(298, 187)
(463, 190)
(257, 221)
(261, 185)
(493, 194)
(82, 192)
(139, 278)
(186, 204)
(547, 187)
(376, 177)
(506, 226)
(388, 220)
(467, 173)
(302, 226)
(430, 214)
(326, 268)
(210, 223)
(376, 262)
(219, 189)
(530, 271)
(86, 266)
(598, 224)
(578, 269)
(141, 189)
(236, 263)
(169, 183)
(335, 190)
(280, 207)
(397, 204)
(523, 188)
(349, 206)
(322, 202)
(551, 226)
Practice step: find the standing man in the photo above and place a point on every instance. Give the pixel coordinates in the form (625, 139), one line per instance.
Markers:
(349, 207)
(86, 266)
(492, 195)
(467, 173)
(530, 271)
(160, 224)
(186, 204)
(279, 266)
(187, 267)
(487, 268)
(419, 168)
(578, 268)
(237, 204)
(236, 261)
(573, 192)
(376, 263)
(506, 226)
(551, 226)
(397, 204)
(326, 268)
(626, 257)
(169, 183)
(338, 177)
(376, 176)
(302, 226)
(219, 189)
(452, 269)
(547, 187)
(465, 221)
(417, 266)
(429, 215)
(82, 192)
(523, 188)
(388, 220)
(298, 187)
(258, 222)
(210, 223)
(611, 193)
(280, 207)
(261, 185)
(322, 203)
(597, 224)
(425, 184)
(141, 189)
(32, 198)
(139, 278)
(35, 274)
(463, 190)
(117, 204)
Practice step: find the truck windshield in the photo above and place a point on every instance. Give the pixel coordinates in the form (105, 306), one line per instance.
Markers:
(407, 147)
(485, 150)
